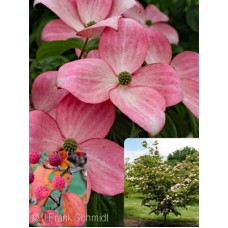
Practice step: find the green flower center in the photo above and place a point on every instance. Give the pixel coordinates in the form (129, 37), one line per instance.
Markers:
(70, 145)
(148, 23)
(90, 23)
(124, 78)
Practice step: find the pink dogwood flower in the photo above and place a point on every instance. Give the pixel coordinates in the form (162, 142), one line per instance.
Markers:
(85, 126)
(152, 18)
(86, 18)
(186, 64)
(141, 93)
(45, 94)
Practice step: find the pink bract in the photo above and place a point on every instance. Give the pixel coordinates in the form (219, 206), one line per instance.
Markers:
(87, 124)
(87, 18)
(186, 64)
(57, 30)
(152, 89)
(159, 48)
(94, 54)
(152, 18)
(45, 94)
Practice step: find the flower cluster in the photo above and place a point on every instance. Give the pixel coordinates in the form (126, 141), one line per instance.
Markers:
(132, 71)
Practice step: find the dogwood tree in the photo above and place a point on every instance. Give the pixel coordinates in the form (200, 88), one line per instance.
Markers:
(165, 188)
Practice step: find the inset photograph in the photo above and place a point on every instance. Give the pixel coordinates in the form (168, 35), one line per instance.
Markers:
(161, 186)
(57, 189)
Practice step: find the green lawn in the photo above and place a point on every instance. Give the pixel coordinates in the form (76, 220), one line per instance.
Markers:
(133, 208)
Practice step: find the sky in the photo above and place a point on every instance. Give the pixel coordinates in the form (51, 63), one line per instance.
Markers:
(133, 147)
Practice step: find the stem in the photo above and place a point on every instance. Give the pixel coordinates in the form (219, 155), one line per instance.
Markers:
(65, 171)
(57, 203)
(82, 176)
(46, 167)
(54, 200)
(83, 48)
(165, 218)
(76, 171)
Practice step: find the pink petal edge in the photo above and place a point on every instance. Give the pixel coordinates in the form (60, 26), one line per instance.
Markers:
(191, 95)
(65, 10)
(137, 13)
(159, 50)
(143, 105)
(97, 29)
(120, 6)
(128, 56)
(163, 79)
(90, 80)
(44, 133)
(168, 31)
(93, 10)
(82, 121)
(57, 30)
(154, 14)
(94, 54)
(105, 166)
(186, 64)
(45, 94)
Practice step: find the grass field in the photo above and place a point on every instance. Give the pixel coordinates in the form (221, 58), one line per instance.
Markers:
(134, 209)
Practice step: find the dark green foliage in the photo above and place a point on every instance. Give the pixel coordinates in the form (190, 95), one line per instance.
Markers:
(124, 128)
(179, 123)
(101, 205)
(57, 47)
(181, 154)
(46, 64)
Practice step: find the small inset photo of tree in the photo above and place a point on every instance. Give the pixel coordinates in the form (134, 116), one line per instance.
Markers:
(161, 186)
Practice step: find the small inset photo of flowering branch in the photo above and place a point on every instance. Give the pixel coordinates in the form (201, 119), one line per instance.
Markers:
(57, 188)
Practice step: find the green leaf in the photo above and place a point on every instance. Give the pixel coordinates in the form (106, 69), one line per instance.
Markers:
(177, 49)
(51, 63)
(57, 47)
(92, 45)
(124, 128)
(39, 27)
(135, 131)
(181, 110)
(192, 18)
(177, 122)
(194, 122)
(108, 209)
(46, 64)
(180, 122)
(169, 130)
(178, 8)
(121, 129)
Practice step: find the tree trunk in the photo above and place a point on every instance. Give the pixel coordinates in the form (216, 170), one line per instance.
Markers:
(165, 218)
